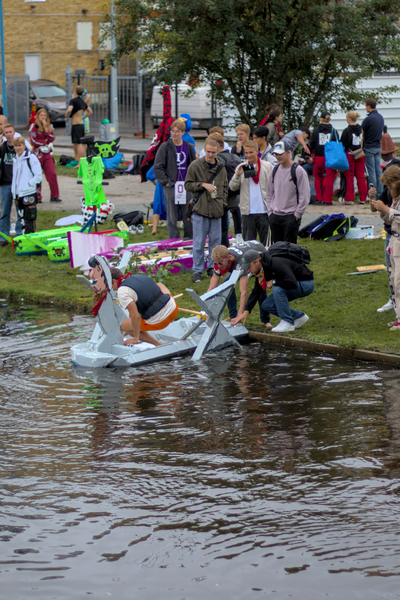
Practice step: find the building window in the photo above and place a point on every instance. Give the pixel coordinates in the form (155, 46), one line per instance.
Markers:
(84, 32)
(105, 44)
(33, 66)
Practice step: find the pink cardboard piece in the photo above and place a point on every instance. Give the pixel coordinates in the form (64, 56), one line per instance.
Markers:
(83, 245)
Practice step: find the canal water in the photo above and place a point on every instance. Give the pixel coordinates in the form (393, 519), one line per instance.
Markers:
(261, 473)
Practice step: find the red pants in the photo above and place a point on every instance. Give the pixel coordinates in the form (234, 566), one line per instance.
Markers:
(356, 169)
(49, 169)
(323, 186)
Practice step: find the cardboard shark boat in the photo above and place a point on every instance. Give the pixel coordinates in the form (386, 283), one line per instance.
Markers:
(193, 335)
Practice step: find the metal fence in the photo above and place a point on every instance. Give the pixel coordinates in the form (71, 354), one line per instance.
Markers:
(130, 100)
(17, 100)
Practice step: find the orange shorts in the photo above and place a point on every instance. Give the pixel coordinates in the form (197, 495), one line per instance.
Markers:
(157, 326)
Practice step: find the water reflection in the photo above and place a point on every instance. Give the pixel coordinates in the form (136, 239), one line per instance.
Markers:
(254, 472)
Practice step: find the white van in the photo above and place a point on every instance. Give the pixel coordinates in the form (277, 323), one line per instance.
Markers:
(198, 106)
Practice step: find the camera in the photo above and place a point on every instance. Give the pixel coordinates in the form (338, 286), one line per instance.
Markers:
(249, 171)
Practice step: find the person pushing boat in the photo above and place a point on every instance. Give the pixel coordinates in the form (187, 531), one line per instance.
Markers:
(150, 306)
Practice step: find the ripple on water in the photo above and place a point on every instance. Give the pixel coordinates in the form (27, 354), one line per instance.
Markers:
(251, 471)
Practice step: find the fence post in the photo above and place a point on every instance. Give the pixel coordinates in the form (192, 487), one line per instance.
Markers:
(143, 92)
(68, 87)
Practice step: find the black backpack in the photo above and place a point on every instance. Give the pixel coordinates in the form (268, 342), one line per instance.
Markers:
(304, 232)
(289, 250)
(292, 175)
(132, 218)
(334, 228)
(230, 162)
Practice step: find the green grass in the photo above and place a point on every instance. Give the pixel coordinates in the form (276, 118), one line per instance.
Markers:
(68, 171)
(342, 309)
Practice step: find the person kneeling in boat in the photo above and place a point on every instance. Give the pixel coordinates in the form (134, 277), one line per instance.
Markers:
(288, 279)
(226, 260)
(149, 304)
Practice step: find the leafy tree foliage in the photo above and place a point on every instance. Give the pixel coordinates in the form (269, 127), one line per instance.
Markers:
(301, 54)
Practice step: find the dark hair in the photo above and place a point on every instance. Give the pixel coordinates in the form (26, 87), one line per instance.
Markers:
(271, 107)
(305, 130)
(79, 90)
(371, 102)
(261, 131)
(274, 113)
(115, 273)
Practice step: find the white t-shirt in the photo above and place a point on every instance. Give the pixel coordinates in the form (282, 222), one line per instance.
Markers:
(126, 295)
(257, 205)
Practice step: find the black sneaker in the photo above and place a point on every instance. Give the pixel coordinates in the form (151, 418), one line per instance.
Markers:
(197, 277)
(210, 272)
(55, 200)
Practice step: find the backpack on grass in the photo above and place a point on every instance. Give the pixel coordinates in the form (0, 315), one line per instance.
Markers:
(334, 228)
(304, 232)
(289, 250)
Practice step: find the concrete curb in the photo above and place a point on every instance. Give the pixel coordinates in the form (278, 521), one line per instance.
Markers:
(367, 355)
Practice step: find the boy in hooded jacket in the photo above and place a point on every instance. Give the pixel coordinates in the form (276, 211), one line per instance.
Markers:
(322, 134)
(351, 140)
(27, 174)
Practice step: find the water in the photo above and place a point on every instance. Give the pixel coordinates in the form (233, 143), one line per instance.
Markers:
(264, 473)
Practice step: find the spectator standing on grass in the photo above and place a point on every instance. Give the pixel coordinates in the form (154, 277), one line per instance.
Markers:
(171, 165)
(352, 140)
(27, 175)
(243, 133)
(230, 161)
(324, 178)
(273, 124)
(391, 216)
(206, 178)
(76, 109)
(7, 157)
(288, 195)
(372, 128)
(41, 135)
(253, 191)
(386, 198)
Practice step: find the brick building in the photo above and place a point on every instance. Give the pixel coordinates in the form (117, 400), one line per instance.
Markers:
(42, 37)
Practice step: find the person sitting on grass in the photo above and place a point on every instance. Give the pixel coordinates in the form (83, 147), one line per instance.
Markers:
(391, 215)
(149, 304)
(288, 280)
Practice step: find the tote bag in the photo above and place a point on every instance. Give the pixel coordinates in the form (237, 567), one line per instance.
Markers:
(335, 155)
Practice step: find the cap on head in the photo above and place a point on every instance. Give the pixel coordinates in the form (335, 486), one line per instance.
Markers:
(281, 147)
(248, 257)
(325, 114)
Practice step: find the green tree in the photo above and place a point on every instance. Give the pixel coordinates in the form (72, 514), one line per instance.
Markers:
(301, 54)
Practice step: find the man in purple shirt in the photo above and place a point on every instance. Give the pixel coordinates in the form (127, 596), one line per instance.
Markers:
(288, 195)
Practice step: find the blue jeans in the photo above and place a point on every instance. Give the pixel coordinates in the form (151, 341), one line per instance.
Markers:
(6, 206)
(277, 303)
(203, 227)
(373, 164)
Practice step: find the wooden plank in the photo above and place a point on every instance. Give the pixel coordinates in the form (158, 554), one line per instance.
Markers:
(372, 268)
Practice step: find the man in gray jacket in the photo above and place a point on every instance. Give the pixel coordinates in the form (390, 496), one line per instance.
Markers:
(207, 179)
(170, 167)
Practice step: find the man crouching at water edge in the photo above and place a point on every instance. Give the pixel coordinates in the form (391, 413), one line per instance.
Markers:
(149, 304)
(288, 279)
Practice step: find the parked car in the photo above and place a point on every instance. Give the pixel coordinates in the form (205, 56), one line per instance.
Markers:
(49, 95)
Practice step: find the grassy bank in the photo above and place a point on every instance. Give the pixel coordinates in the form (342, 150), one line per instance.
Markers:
(342, 309)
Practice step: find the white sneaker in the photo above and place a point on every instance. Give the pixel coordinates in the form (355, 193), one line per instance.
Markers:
(388, 306)
(132, 229)
(239, 238)
(139, 229)
(300, 321)
(283, 327)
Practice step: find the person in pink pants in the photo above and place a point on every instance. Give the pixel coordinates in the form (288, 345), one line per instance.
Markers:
(41, 135)
(351, 140)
